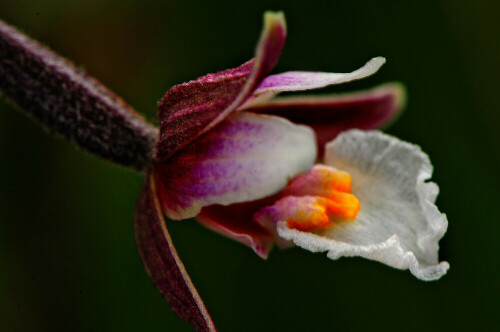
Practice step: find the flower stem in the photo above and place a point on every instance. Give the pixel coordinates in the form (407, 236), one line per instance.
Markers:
(72, 104)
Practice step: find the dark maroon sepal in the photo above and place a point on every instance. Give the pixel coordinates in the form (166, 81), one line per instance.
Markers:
(163, 263)
(191, 109)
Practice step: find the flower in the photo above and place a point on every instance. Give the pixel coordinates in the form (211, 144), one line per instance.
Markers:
(229, 156)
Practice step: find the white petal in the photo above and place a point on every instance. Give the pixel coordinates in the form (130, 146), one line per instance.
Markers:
(398, 224)
(247, 157)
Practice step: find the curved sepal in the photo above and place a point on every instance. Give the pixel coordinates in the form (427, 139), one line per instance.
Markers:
(306, 80)
(163, 263)
(188, 110)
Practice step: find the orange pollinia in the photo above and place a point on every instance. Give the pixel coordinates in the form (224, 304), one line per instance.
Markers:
(330, 199)
(313, 201)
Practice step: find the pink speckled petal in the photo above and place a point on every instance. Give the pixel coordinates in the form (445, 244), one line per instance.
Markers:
(330, 115)
(247, 157)
(303, 80)
(188, 110)
(163, 263)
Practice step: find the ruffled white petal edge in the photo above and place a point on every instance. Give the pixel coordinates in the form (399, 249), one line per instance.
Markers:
(398, 224)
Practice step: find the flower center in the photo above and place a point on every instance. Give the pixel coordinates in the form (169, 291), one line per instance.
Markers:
(313, 200)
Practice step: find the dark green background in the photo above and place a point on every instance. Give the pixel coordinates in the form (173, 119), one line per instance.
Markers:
(67, 254)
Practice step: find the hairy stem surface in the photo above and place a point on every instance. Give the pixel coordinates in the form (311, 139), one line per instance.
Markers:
(70, 103)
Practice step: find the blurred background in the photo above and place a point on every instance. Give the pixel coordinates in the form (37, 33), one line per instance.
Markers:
(67, 253)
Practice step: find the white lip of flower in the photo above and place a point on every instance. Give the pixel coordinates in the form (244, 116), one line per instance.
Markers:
(398, 224)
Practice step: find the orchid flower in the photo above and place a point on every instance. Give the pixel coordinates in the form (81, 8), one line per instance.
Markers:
(228, 156)
(260, 168)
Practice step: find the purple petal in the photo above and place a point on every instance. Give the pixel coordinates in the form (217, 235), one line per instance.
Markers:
(163, 264)
(246, 158)
(330, 115)
(188, 110)
(303, 80)
(72, 104)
